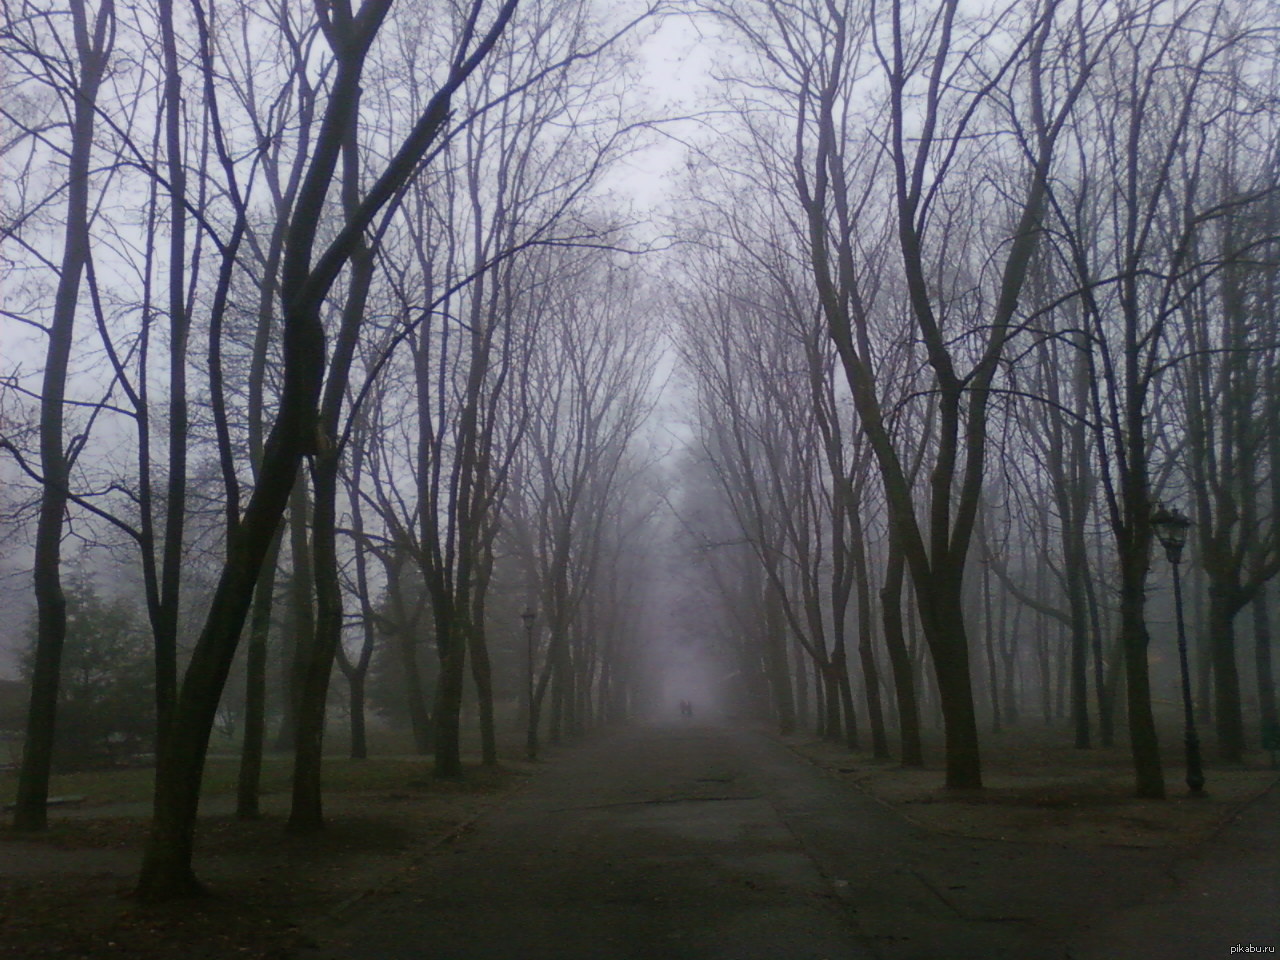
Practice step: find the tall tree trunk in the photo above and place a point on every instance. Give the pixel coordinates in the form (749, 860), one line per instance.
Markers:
(93, 44)
(1079, 640)
(989, 644)
(832, 729)
(406, 642)
(900, 659)
(821, 712)
(1203, 645)
(451, 647)
(306, 813)
(775, 643)
(165, 625)
(1106, 718)
(302, 618)
(1143, 742)
(1267, 716)
(1224, 603)
(866, 638)
(801, 670)
(359, 734)
(249, 780)
(482, 676)
(942, 614)
(535, 709)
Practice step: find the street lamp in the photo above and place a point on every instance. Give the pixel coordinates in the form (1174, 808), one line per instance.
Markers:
(1171, 529)
(531, 741)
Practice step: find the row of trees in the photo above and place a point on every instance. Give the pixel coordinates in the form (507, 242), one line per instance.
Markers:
(333, 335)
(991, 282)
(365, 240)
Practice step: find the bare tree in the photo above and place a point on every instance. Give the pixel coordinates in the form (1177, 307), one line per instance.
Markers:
(76, 81)
(948, 83)
(306, 281)
(590, 375)
(1128, 219)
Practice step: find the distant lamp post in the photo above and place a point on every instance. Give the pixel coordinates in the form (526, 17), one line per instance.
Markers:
(1171, 529)
(531, 742)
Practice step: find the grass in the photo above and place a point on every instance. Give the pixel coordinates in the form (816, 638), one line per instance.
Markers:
(341, 775)
(382, 814)
(1040, 788)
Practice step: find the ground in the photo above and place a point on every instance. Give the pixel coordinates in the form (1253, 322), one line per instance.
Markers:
(277, 896)
(67, 893)
(1038, 788)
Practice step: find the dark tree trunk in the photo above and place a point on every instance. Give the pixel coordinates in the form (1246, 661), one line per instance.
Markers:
(1143, 742)
(165, 621)
(316, 661)
(1062, 674)
(1045, 663)
(1106, 718)
(357, 672)
(821, 713)
(942, 613)
(93, 44)
(1224, 603)
(1079, 647)
(989, 645)
(866, 639)
(451, 647)
(801, 670)
(900, 660)
(302, 616)
(775, 641)
(359, 735)
(832, 729)
(307, 811)
(482, 675)
(407, 641)
(166, 868)
(255, 689)
(1267, 716)
(1204, 647)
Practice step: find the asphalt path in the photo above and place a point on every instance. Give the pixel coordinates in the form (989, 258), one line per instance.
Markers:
(696, 841)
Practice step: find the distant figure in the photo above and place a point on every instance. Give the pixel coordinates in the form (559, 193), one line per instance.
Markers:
(686, 708)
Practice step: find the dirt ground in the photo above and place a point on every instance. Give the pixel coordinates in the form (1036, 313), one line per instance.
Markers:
(66, 894)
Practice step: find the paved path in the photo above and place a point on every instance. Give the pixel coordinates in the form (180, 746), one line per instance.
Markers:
(693, 842)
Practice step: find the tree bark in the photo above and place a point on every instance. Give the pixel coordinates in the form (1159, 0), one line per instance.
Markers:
(302, 616)
(1224, 604)
(93, 44)
(255, 694)
(1267, 714)
(775, 645)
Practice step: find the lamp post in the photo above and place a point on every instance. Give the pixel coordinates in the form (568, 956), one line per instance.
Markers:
(1171, 529)
(531, 741)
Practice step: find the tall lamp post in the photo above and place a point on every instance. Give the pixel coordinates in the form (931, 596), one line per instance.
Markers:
(531, 741)
(1171, 529)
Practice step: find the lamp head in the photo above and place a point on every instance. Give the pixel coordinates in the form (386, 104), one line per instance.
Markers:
(1171, 529)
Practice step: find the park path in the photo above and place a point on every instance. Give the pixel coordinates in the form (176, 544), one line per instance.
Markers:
(693, 841)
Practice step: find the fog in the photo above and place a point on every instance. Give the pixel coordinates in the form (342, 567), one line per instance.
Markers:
(896, 385)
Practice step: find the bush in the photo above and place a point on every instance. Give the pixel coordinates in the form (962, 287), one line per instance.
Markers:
(106, 699)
